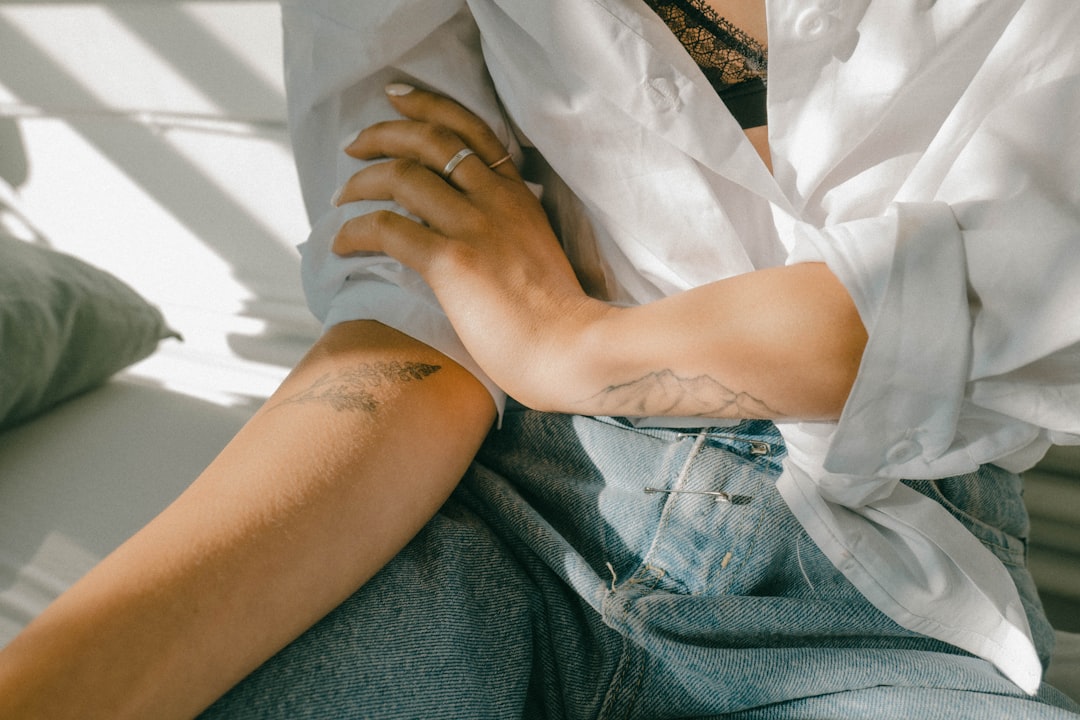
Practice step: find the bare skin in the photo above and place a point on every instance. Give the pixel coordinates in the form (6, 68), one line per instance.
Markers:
(750, 18)
(747, 15)
(331, 478)
(490, 255)
(315, 494)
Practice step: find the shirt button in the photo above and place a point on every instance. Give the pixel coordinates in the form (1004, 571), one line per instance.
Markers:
(813, 23)
(903, 451)
(664, 93)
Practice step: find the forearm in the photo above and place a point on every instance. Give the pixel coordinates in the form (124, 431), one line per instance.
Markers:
(783, 342)
(353, 454)
(778, 343)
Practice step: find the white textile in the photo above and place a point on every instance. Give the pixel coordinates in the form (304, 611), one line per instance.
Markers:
(926, 151)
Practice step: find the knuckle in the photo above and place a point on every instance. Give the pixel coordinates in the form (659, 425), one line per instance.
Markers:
(439, 135)
(455, 258)
(381, 222)
(403, 169)
(474, 223)
(474, 127)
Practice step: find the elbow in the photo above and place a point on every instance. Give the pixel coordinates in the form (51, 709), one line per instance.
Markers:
(840, 353)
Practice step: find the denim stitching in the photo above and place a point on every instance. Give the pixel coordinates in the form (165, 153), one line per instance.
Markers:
(617, 704)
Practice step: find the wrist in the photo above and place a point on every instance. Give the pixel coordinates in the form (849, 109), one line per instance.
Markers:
(568, 361)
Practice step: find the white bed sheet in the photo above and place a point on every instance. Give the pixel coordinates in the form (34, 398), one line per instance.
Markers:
(148, 137)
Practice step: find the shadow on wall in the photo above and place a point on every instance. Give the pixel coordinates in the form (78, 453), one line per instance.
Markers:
(147, 158)
(14, 168)
(171, 95)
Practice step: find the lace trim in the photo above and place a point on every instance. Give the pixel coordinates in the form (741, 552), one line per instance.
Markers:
(727, 55)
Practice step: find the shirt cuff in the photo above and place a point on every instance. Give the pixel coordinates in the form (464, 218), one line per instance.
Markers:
(906, 272)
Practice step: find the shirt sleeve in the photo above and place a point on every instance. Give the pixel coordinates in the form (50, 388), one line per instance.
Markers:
(970, 300)
(339, 55)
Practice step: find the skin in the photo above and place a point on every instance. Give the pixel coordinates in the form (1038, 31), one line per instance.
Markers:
(747, 16)
(750, 18)
(331, 478)
(316, 493)
(486, 248)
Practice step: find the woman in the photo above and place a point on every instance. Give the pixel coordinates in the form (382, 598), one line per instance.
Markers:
(895, 294)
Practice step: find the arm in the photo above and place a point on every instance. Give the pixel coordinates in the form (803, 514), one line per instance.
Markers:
(776, 343)
(331, 477)
(325, 484)
(783, 342)
(338, 57)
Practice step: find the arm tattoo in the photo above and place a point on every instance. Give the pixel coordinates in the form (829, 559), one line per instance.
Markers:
(665, 393)
(358, 389)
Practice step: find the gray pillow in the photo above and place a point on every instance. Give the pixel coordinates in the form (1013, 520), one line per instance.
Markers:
(65, 327)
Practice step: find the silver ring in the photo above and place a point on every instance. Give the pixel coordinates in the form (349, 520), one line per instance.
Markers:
(456, 160)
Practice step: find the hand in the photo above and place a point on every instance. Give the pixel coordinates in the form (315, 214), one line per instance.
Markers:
(484, 246)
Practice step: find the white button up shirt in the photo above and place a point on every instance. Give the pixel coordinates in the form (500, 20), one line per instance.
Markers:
(928, 152)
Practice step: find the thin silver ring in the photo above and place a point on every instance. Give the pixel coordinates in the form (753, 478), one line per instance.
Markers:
(456, 160)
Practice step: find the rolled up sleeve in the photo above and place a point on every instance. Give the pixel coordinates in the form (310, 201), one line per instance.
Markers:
(970, 301)
(339, 55)
(906, 273)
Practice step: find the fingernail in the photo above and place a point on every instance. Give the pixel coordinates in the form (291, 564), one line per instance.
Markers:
(337, 196)
(399, 89)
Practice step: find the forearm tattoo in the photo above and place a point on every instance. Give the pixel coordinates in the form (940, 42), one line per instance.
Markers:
(359, 389)
(665, 393)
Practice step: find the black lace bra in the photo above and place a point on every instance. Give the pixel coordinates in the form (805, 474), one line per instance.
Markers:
(735, 63)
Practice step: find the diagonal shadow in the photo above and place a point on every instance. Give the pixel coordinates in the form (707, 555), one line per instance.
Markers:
(14, 171)
(14, 167)
(205, 61)
(178, 185)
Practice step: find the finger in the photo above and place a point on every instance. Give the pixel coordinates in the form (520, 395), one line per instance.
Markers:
(419, 104)
(385, 231)
(411, 185)
(432, 145)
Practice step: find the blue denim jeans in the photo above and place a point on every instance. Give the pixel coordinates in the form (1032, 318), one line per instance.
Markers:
(567, 579)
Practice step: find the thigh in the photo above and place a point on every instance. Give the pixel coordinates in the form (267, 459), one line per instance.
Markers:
(918, 704)
(445, 630)
(679, 541)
